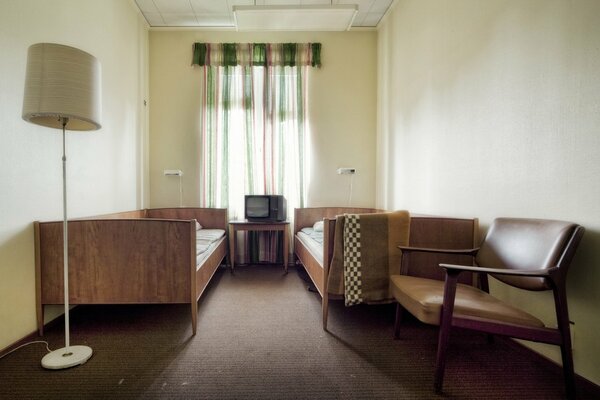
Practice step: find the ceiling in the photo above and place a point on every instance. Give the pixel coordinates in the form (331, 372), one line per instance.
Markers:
(218, 13)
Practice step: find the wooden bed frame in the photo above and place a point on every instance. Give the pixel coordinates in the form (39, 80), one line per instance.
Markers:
(425, 231)
(135, 257)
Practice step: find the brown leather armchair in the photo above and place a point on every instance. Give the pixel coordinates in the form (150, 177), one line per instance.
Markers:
(529, 254)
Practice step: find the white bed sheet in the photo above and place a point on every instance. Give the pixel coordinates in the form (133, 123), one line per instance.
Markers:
(314, 247)
(206, 241)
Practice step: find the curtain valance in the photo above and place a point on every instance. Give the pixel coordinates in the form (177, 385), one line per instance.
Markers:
(257, 54)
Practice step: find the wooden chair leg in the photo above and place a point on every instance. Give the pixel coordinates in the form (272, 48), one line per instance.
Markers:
(562, 317)
(445, 327)
(568, 371)
(440, 363)
(398, 320)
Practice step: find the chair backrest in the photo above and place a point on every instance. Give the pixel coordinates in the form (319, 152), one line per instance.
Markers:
(441, 233)
(531, 244)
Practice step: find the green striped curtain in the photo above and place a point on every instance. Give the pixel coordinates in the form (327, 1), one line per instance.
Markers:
(257, 54)
(253, 129)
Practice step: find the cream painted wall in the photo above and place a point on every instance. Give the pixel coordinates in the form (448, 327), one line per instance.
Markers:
(105, 167)
(492, 108)
(342, 114)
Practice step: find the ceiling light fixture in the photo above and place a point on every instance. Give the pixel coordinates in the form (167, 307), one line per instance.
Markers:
(295, 18)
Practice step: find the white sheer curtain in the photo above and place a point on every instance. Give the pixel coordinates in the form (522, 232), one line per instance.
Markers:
(253, 135)
(253, 139)
(253, 126)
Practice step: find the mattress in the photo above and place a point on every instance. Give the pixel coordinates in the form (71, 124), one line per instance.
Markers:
(206, 241)
(313, 242)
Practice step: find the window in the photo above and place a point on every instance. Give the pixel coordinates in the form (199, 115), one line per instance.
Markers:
(253, 122)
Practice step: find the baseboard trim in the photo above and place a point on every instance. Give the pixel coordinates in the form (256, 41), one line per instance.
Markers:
(581, 382)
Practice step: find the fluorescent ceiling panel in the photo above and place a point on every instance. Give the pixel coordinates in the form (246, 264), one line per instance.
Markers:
(294, 18)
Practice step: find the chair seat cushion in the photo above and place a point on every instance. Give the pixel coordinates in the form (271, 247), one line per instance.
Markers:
(423, 298)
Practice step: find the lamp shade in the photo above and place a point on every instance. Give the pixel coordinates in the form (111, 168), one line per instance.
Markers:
(62, 82)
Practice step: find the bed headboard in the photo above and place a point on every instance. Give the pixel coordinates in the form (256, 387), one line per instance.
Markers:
(306, 217)
(207, 217)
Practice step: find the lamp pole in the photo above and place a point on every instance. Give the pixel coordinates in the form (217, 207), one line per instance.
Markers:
(65, 120)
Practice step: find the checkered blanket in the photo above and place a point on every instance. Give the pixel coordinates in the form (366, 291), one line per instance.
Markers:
(365, 254)
(352, 261)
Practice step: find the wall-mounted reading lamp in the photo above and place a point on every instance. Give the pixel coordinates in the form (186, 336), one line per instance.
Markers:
(179, 173)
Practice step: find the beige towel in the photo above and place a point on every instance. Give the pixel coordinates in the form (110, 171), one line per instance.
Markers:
(375, 256)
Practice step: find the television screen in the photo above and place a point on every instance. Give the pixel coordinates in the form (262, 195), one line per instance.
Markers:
(257, 207)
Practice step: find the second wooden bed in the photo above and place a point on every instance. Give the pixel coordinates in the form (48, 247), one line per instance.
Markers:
(425, 231)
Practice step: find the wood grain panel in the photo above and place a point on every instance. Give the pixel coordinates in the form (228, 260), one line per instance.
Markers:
(439, 233)
(118, 261)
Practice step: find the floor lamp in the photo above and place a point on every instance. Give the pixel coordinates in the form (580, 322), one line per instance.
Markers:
(62, 91)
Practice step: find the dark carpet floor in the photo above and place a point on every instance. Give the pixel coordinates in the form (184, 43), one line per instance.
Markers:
(260, 337)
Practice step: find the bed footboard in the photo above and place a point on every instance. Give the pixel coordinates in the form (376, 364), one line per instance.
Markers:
(127, 260)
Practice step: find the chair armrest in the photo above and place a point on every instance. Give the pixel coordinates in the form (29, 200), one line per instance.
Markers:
(500, 271)
(467, 252)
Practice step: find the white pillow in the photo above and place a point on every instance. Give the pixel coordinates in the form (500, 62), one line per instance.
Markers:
(318, 226)
(198, 226)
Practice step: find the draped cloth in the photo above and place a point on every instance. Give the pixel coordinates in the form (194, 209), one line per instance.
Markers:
(257, 54)
(365, 254)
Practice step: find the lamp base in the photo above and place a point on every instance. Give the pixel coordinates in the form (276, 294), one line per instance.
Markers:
(66, 357)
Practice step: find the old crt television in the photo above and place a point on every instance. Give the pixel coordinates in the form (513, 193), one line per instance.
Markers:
(268, 208)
